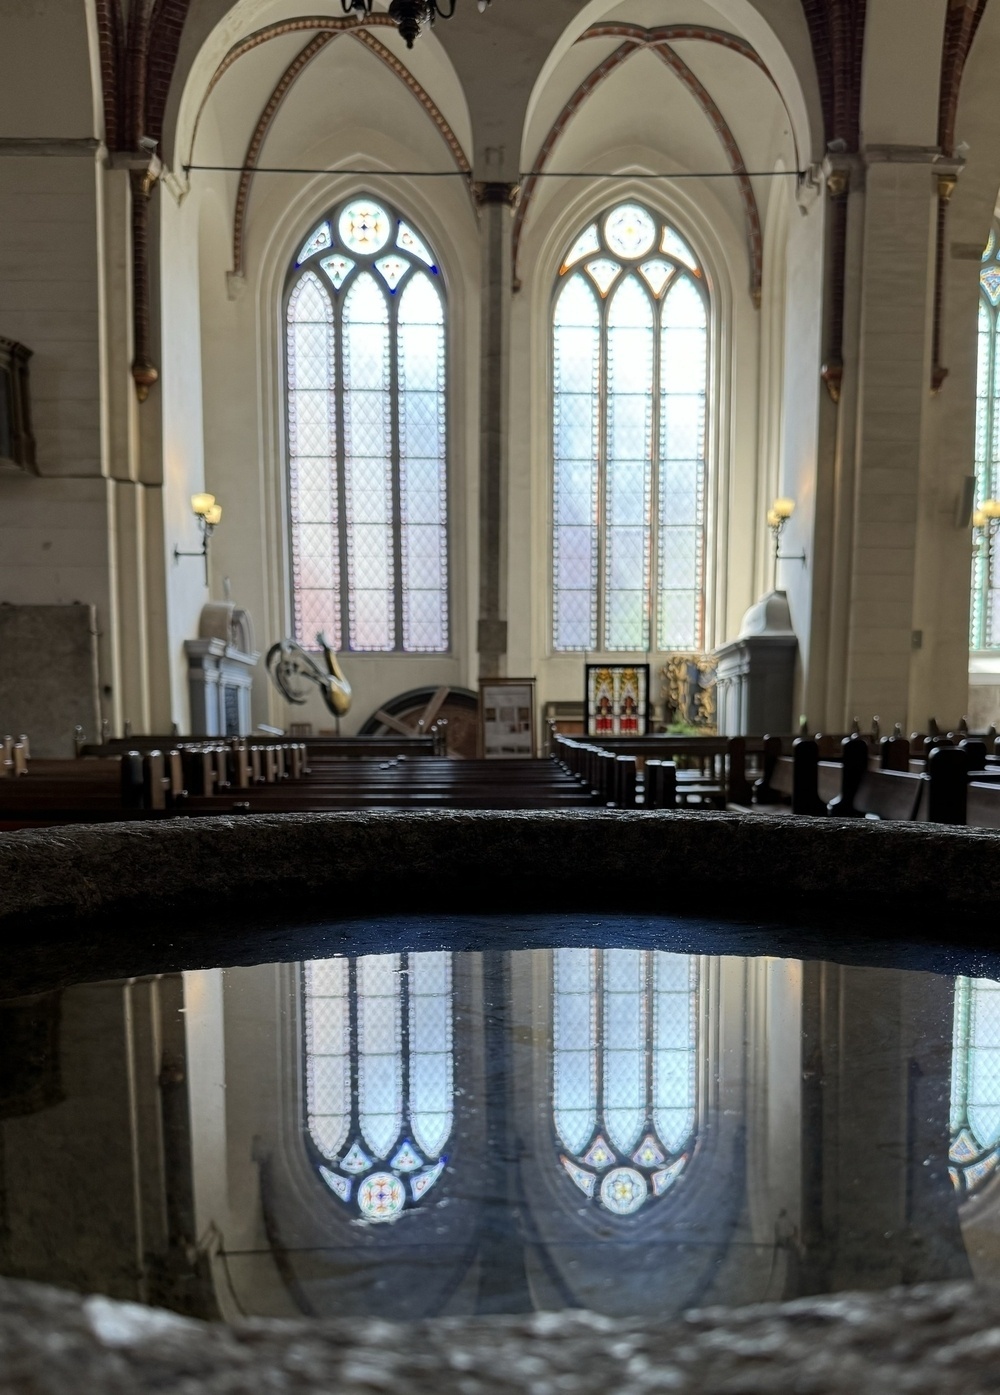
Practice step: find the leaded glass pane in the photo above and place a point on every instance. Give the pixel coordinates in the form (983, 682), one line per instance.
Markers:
(984, 627)
(629, 450)
(577, 384)
(368, 464)
(624, 1047)
(365, 227)
(674, 1037)
(408, 241)
(683, 393)
(422, 465)
(587, 243)
(629, 230)
(380, 1060)
(975, 1083)
(574, 1047)
(367, 438)
(431, 1066)
(328, 1080)
(629, 466)
(321, 237)
(312, 446)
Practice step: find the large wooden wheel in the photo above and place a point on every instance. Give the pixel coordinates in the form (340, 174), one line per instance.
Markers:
(415, 713)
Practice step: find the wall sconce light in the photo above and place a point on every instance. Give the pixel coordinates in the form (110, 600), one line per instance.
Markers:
(209, 516)
(777, 516)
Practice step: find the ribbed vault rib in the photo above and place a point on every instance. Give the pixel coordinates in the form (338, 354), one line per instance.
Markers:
(284, 85)
(636, 39)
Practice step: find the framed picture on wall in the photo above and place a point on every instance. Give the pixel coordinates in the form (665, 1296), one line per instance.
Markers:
(617, 700)
(506, 718)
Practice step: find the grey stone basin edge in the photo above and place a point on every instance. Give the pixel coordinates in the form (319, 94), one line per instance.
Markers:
(935, 1339)
(357, 862)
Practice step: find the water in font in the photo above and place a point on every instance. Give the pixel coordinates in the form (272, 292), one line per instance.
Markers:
(434, 1131)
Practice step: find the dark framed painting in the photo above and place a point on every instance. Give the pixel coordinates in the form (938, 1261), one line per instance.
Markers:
(617, 699)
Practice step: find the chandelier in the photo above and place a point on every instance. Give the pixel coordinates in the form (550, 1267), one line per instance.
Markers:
(410, 16)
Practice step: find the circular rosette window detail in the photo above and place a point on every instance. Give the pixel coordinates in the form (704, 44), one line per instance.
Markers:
(624, 1190)
(381, 1197)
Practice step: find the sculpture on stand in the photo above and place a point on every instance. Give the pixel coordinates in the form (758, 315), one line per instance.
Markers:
(295, 673)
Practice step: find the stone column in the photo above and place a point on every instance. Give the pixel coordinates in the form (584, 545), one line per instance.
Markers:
(891, 397)
(494, 200)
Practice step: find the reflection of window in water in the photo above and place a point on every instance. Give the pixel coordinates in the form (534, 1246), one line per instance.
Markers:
(379, 1076)
(975, 1083)
(624, 1074)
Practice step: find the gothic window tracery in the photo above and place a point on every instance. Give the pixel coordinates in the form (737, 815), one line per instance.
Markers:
(975, 1084)
(624, 1077)
(366, 405)
(630, 381)
(378, 1077)
(985, 615)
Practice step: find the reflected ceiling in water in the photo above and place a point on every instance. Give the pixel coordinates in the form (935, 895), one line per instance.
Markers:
(413, 1134)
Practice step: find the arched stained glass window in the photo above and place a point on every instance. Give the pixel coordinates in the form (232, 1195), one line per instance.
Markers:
(624, 1075)
(379, 1077)
(366, 400)
(985, 620)
(975, 1084)
(630, 379)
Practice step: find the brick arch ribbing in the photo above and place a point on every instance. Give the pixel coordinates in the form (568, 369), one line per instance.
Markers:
(635, 40)
(284, 85)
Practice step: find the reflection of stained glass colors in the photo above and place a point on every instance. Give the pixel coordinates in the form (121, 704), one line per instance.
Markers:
(617, 699)
(623, 1191)
(975, 1083)
(381, 1197)
(366, 399)
(624, 1080)
(630, 376)
(984, 632)
(379, 1072)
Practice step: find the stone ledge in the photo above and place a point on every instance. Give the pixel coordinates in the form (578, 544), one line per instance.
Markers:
(936, 1339)
(351, 863)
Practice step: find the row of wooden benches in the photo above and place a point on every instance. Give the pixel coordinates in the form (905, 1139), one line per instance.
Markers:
(279, 777)
(957, 783)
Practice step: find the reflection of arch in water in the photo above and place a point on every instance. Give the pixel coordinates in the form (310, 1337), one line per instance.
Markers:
(379, 1081)
(974, 1153)
(624, 1078)
(638, 1114)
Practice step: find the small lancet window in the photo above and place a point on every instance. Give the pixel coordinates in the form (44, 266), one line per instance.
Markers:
(624, 1072)
(379, 1077)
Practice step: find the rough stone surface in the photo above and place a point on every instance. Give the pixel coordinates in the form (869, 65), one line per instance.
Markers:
(938, 1339)
(349, 863)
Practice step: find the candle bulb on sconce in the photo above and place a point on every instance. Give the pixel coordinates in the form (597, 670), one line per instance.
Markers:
(208, 512)
(778, 515)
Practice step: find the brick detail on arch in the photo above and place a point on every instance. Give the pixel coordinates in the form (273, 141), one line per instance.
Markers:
(837, 32)
(284, 85)
(962, 20)
(635, 39)
(301, 25)
(111, 45)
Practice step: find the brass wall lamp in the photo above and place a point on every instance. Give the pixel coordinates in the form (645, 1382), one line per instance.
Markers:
(209, 515)
(777, 517)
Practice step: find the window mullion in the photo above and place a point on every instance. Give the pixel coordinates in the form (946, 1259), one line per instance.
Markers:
(653, 575)
(397, 503)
